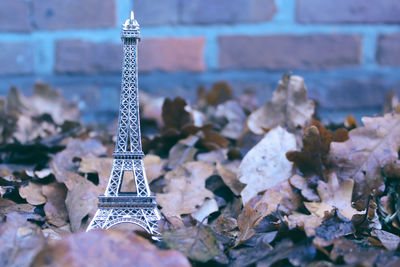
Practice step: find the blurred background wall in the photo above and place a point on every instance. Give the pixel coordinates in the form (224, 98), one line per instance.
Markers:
(347, 50)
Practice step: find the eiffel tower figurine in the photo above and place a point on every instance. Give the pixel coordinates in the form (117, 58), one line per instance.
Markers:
(116, 207)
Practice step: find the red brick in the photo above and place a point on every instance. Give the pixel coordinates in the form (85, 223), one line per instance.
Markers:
(77, 56)
(16, 58)
(171, 54)
(14, 16)
(156, 12)
(389, 49)
(348, 11)
(227, 11)
(283, 52)
(73, 14)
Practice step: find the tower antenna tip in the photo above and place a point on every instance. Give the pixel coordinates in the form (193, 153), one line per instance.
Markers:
(132, 15)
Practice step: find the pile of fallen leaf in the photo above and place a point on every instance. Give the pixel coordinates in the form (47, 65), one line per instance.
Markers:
(237, 184)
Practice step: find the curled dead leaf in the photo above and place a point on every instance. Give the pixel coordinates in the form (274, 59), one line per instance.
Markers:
(289, 106)
(32, 193)
(265, 164)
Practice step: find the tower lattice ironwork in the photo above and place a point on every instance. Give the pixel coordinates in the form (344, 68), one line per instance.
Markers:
(138, 207)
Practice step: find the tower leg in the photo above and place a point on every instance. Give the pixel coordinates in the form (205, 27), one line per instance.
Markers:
(145, 218)
(99, 219)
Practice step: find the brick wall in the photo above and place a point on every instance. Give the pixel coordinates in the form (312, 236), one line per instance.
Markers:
(347, 50)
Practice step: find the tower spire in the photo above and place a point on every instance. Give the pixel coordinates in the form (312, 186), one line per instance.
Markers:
(138, 207)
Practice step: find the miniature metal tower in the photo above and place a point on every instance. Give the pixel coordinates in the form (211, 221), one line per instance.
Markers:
(134, 207)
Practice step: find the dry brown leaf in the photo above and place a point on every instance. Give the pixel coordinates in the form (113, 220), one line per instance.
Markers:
(281, 195)
(20, 241)
(369, 148)
(213, 156)
(220, 92)
(265, 165)
(153, 164)
(53, 233)
(56, 233)
(389, 241)
(82, 194)
(154, 167)
(64, 165)
(248, 219)
(174, 116)
(333, 195)
(333, 227)
(350, 122)
(209, 206)
(391, 103)
(211, 139)
(392, 170)
(182, 152)
(198, 244)
(55, 209)
(289, 107)
(27, 210)
(316, 143)
(101, 166)
(32, 193)
(308, 223)
(301, 183)
(185, 188)
(107, 248)
(45, 100)
(234, 114)
(81, 203)
(151, 107)
(25, 112)
(229, 176)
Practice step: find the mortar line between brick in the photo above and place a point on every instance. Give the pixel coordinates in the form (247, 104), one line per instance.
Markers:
(112, 34)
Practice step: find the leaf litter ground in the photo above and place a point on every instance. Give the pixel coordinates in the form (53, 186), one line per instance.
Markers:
(237, 184)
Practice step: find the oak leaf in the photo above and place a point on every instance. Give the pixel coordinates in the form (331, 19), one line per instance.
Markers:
(185, 188)
(55, 209)
(250, 218)
(289, 107)
(369, 148)
(265, 165)
(316, 143)
(333, 196)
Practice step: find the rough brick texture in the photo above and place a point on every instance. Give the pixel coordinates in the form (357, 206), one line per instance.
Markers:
(389, 49)
(283, 52)
(16, 58)
(158, 12)
(14, 15)
(171, 54)
(73, 14)
(227, 11)
(77, 56)
(348, 11)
